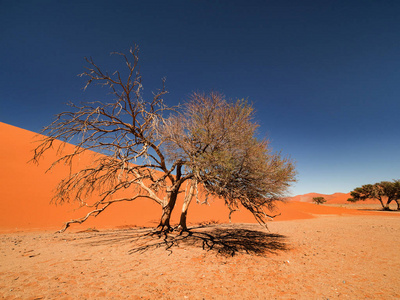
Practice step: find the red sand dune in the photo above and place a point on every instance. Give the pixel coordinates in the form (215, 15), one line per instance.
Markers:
(26, 190)
(336, 198)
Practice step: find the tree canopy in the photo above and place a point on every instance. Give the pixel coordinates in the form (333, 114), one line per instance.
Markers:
(147, 149)
(319, 200)
(385, 192)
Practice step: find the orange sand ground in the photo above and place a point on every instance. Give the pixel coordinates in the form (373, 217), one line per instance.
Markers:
(26, 190)
(311, 251)
(330, 257)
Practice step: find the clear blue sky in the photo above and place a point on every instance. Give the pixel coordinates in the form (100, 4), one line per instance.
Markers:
(324, 76)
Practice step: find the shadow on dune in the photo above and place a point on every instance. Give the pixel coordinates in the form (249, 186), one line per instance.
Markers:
(226, 240)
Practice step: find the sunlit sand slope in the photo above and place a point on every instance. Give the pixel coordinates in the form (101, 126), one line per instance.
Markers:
(26, 191)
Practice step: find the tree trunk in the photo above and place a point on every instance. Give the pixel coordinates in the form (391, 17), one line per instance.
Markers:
(387, 204)
(182, 222)
(166, 213)
(164, 224)
(385, 207)
(188, 198)
(398, 204)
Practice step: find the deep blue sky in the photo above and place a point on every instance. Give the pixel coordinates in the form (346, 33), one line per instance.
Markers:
(323, 75)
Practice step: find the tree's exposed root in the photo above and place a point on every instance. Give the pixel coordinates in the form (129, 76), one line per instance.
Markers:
(182, 229)
(164, 229)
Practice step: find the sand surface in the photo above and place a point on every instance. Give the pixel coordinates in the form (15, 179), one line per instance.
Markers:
(330, 257)
(26, 190)
(337, 250)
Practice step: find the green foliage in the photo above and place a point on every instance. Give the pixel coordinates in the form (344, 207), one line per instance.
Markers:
(216, 140)
(319, 200)
(385, 192)
(352, 200)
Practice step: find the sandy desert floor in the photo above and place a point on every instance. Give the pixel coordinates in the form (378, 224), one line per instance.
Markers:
(329, 257)
(337, 250)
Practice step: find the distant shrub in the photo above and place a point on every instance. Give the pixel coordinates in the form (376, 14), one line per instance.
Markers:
(319, 200)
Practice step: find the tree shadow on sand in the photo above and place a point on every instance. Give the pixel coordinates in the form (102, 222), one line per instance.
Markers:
(226, 240)
(371, 207)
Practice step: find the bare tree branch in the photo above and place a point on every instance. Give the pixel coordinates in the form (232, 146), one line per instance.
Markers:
(139, 151)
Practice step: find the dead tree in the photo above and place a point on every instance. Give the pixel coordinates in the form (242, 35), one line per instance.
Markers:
(126, 131)
(208, 144)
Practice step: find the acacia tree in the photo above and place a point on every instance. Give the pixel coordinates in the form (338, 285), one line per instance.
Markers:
(319, 200)
(381, 191)
(216, 141)
(141, 156)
